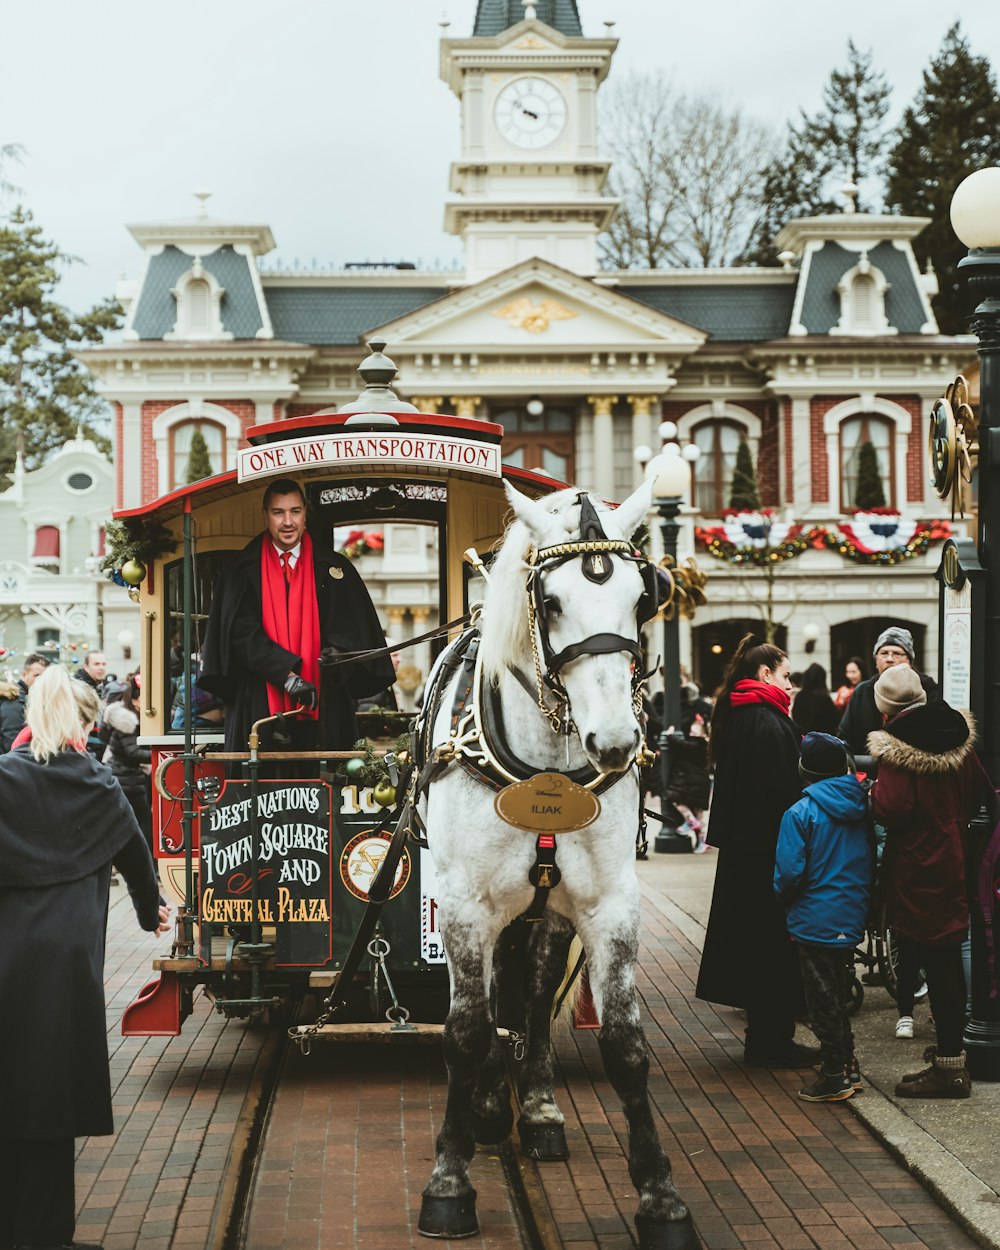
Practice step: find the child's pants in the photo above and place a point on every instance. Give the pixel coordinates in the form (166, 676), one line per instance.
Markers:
(826, 977)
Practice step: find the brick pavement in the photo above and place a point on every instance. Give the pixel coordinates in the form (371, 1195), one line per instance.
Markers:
(759, 1167)
(177, 1101)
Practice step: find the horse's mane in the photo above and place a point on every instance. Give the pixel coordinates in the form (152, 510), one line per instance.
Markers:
(504, 626)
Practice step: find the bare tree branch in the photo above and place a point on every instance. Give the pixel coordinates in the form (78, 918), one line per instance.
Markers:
(688, 173)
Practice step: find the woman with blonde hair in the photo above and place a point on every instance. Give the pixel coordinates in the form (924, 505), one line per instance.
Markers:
(63, 822)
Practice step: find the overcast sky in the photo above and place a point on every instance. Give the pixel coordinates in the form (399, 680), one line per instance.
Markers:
(326, 119)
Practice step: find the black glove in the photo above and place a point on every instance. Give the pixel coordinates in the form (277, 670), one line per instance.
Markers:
(302, 691)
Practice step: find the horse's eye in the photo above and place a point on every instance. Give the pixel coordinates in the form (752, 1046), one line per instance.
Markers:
(552, 605)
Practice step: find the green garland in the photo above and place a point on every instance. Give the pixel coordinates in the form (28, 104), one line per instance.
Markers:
(373, 771)
(133, 539)
(722, 549)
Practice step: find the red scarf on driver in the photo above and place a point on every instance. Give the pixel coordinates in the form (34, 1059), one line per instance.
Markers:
(747, 691)
(290, 618)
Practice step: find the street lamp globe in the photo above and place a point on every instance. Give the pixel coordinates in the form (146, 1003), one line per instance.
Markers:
(642, 454)
(691, 452)
(667, 430)
(975, 209)
(671, 474)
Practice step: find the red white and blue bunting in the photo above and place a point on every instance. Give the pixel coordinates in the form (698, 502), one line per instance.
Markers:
(880, 536)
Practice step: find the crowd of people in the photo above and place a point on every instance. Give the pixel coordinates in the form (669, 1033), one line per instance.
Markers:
(867, 788)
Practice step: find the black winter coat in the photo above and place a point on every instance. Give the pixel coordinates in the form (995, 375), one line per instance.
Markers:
(814, 711)
(62, 825)
(239, 659)
(12, 717)
(748, 959)
(862, 717)
(123, 755)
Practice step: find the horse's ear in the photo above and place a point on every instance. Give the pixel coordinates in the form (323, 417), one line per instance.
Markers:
(628, 516)
(537, 519)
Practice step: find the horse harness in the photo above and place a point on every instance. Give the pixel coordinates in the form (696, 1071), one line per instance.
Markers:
(478, 741)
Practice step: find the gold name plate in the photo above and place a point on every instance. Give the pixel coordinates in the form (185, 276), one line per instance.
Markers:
(547, 803)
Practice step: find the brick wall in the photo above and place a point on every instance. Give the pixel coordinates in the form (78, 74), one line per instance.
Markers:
(768, 469)
(916, 449)
(819, 468)
(244, 409)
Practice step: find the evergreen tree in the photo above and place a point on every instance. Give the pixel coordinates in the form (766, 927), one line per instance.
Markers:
(199, 461)
(951, 129)
(744, 493)
(45, 395)
(869, 492)
(843, 140)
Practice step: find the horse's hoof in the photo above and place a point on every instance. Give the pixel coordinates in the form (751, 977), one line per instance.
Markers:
(659, 1234)
(489, 1130)
(448, 1217)
(546, 1142)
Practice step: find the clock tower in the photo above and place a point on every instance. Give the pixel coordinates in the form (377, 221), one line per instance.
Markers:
(529, 182)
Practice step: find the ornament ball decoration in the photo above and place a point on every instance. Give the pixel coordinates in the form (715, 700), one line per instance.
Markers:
(133, 572)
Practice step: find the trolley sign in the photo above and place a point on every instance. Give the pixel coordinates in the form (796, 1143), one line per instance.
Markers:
(393, 449)
(293, 868)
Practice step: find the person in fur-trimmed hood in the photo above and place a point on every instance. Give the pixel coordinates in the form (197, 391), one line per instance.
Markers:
(928, 789)
(128, 761)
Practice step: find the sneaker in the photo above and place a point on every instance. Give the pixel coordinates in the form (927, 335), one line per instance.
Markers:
(928, 1056)
(904, 1026)
(921, 993)
(947, 1077)
(702, 846)
(830, 1087)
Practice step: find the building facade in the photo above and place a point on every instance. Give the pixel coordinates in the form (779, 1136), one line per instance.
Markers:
(807, 363)
(53, 597)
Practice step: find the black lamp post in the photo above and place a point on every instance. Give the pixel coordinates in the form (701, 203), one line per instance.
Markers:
(975, 215)
(673, 479)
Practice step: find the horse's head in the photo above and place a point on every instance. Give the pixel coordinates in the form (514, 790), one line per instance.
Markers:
(585, 610)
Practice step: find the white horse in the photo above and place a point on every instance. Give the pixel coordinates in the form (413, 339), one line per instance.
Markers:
(572, 645)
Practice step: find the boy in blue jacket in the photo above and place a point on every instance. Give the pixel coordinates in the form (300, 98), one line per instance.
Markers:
(823, 876)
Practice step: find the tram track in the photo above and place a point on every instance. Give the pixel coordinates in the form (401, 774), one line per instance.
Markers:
(500, 1169)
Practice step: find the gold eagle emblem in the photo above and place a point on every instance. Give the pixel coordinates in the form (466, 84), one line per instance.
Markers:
(535, 318)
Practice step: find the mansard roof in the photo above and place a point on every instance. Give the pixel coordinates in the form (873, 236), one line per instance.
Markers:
(730, 312)
(156, 311)
(495, 16)
(337, 315)
(904, 307)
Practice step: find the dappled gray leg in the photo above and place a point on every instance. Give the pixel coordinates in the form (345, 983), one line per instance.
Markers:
(662, 1220)
(449, 1201)
(540, 1126)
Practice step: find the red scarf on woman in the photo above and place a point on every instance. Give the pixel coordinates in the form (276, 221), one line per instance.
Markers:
(290, 616)
(747, 691)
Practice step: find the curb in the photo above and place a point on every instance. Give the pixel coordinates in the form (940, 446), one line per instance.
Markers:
(970, 1202)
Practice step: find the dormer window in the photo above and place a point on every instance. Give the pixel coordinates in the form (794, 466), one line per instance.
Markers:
(862, 292)
(199, 305)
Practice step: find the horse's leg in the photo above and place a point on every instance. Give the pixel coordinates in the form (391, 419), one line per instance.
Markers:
(540, 1126)
(449, 1201)
(492, 1115)
(662, 1220)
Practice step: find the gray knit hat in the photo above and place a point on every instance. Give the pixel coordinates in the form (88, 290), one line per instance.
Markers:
(895, 636)
(897, 689)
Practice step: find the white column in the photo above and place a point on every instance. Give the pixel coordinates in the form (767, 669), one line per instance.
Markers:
(642, 429)
(604, 445)
(130, 453)
(802, 495)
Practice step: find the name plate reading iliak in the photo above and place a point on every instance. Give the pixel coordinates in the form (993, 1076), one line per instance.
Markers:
(547, 803)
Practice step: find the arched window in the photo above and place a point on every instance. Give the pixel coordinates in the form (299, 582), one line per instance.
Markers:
(719, 441)
(855, 432)
(190, 458)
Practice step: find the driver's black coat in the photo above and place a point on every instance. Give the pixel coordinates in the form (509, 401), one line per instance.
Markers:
(239, 659)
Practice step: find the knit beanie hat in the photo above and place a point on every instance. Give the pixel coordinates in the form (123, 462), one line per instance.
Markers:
(822, 755)
(897, 689)
(895, 636)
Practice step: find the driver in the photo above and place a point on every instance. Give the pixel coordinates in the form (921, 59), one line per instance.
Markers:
(286, 599)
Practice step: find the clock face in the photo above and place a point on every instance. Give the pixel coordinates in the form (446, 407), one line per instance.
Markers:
(530, 112)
